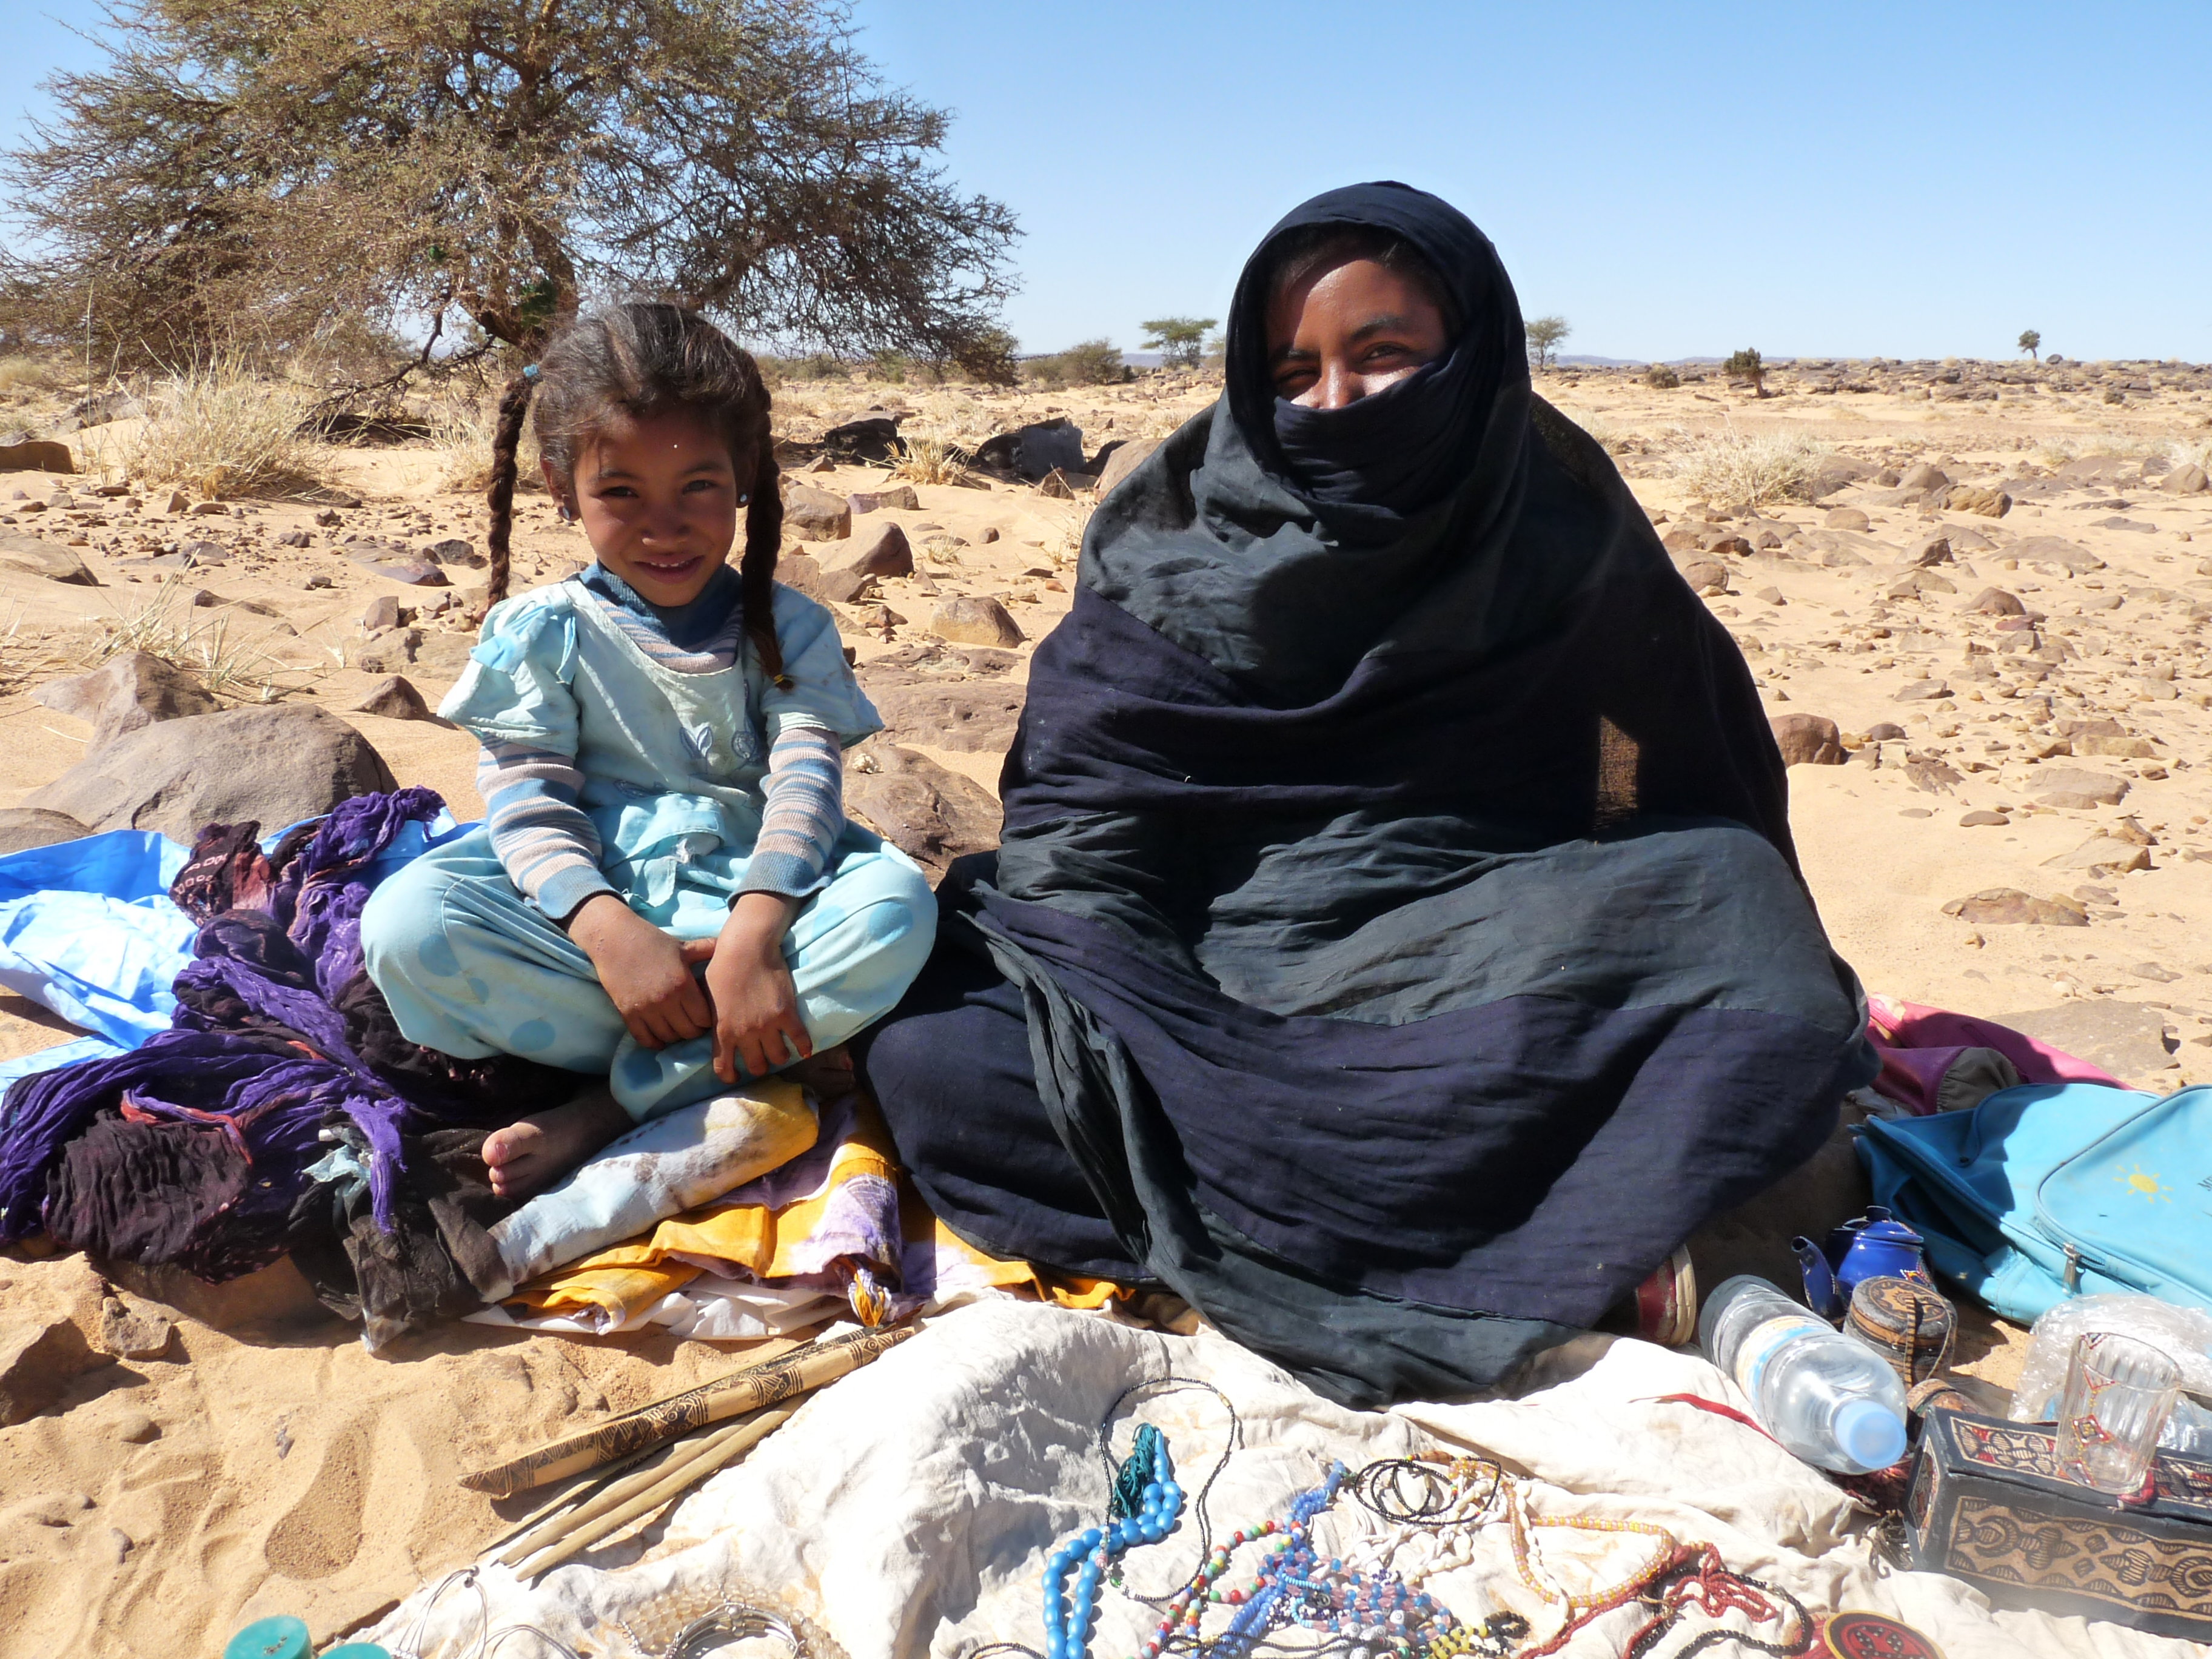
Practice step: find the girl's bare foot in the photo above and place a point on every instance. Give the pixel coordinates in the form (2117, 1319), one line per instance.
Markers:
(531, 1155)
(828, 1075)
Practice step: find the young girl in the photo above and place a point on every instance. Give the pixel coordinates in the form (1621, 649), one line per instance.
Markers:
(662, 763)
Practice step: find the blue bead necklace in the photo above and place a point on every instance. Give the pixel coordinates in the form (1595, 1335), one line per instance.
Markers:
(1147, 1506)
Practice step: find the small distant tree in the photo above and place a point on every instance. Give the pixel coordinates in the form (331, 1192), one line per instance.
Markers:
(1179, 340)
(1545, 334)
(1087, 362)
(1662, 377)
(2029, 340)
(1747, 365)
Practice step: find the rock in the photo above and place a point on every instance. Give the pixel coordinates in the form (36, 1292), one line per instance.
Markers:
(129, 1334)
(973, 718)
(2077, 559)
(1833, 472)
(1930, 549)
(1925, 477)
(1684, 539)
(798, 573)
(1728, 546)
(929, 812)
(22, 828)
(884, 551)
(990, 533)
(210, 510)
(1770, 596)
(975, 620)
(2006, 906)
(328, 519)
(383, 612)
(1706, 575)
(2187, 481)
(1030, 453)
(275, 1299)
(1846, 517)
(876, 438)
(2073, 780)
(42, 1351)
(135, 1429)
(815, 514)
(1056, 485)
(395, 698)
(455, 550)
(2119, 748)
(37, 556)
(1925, 691)
(1842, 558)
(295, 538)
(275, 765)
(37, 455)
(125, 694)
(1988, 503)
(1886, 731)
(1807, 741)
(1981, 819)
(197, 553)
(2124, 1038)
(845, 586)
(2157, 972)
(902, 497)
(414, 573)
(2102, 853)
(1996, 602)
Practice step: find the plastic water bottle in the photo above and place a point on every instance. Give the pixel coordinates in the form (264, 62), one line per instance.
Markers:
(1829, 1399)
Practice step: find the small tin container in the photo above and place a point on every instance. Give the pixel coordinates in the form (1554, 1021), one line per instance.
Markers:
(1907, 1323)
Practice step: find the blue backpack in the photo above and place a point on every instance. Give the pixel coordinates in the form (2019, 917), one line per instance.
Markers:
(2056, 1190)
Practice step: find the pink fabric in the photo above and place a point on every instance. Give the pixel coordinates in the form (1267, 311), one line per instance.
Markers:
(1919, 1045)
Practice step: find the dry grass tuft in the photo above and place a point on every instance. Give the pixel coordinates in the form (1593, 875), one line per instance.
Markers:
(27, 657)
(461, 432)
(168, 626)
(1748, 469)
(226, 432)
(932, 459)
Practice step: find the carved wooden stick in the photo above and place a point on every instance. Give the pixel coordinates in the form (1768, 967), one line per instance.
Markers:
(720, 1449)
(746, 1390)
(560, 1519)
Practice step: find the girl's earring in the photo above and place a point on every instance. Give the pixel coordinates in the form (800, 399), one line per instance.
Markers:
(567, 512)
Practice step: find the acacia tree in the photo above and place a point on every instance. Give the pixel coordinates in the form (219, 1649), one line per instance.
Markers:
(1747, 365)
(281, 171)
(1179, 340)
(1545, 334)
(2029, 341)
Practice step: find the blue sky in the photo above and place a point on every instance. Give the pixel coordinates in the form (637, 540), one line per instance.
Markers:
(1905, 180)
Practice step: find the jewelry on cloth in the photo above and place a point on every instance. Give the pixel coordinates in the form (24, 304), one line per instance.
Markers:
(1067, 1619)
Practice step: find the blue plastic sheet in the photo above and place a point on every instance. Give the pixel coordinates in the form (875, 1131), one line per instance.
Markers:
(87, 929)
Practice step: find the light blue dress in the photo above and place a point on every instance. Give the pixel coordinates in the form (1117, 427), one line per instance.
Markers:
(673, 765)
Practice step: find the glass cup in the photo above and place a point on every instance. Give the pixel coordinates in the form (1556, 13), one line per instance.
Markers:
(2119, 1395)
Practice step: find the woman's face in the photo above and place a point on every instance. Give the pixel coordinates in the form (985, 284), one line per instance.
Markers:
(1349, 331)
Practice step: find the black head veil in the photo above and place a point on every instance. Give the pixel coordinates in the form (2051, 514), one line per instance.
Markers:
(1452, 427)
(1286, 569)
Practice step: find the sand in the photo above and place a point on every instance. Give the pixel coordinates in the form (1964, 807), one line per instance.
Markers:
(161, 1502)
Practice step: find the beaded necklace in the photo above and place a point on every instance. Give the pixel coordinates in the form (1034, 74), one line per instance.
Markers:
(1157, 1505)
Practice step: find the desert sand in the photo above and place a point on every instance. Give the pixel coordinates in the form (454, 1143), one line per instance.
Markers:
(276, 1465)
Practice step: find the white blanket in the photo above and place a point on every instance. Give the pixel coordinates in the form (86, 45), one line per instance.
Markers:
(908, 1510)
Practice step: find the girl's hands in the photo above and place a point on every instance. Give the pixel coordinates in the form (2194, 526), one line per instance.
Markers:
(644, 972)
(756, 1007)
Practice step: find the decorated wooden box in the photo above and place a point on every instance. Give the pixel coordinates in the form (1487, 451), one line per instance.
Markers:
(1985, 1504)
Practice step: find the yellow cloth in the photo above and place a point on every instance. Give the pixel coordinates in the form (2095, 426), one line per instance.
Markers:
(751, 1239)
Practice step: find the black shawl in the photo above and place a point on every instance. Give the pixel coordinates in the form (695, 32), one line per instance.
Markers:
(1401, 895)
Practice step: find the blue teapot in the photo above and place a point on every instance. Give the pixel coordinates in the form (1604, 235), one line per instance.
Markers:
(1872, 1246)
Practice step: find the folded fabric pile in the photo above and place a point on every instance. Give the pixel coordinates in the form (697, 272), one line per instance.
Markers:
(281, 1111)
(833, 1231)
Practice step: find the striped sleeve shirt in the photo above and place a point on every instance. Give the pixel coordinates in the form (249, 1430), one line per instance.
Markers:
(548, 846)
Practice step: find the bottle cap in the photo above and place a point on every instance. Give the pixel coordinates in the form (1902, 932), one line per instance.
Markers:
(282, 1636)
(1870, 1435)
